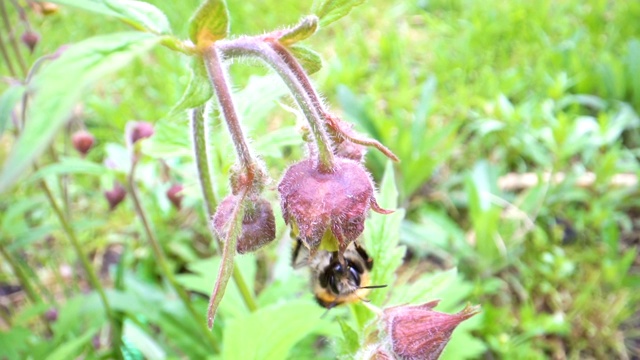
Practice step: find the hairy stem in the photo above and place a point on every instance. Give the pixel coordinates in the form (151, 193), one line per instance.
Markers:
(305, 82)
(251, 46)
(198, 131)
(222, 91)
(86, 264)
(160, 257)
(199, 137)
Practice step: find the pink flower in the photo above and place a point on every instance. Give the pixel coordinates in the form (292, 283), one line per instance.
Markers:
(418, 332)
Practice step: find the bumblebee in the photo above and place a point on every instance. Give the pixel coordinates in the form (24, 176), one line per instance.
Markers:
(335, 282)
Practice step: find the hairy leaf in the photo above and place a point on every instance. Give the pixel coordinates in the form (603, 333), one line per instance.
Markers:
(198, 91)
(307, 27)
(209, 23)
(309, 59)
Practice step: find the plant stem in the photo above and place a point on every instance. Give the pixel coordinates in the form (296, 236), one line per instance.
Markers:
(198, 131)
(12, 39)
(162, 260)
(21, 275)
(222, 90)
(252, 46)
(199, 137)
(305, 82)
(26, 283)
(86, 264)
(7, 59)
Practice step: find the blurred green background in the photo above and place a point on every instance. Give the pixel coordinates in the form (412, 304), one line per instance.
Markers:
(470, 95)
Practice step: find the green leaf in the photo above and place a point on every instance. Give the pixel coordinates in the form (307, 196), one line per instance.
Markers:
(59, 86)
(331, 10)
(171, 139)
(272, 143)
(209, 23)
(142, 341)
(350, 343)
(309, 59)
(141, 15)
(382, 236)
(201, 280)
(307, 27)
(419, 126)
(270, 332)
(69, 166)
(358, 111)
(8, 101)
(14, 343)
(198, 91)
(72, 349)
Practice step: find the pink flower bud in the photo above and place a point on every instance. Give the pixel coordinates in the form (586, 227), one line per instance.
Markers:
(141, 130)
(175, 195)
(316, 201)
(82, 141)
(258, 224)
(418, 332)
(30, 39)
(115, 195)
(51, 315)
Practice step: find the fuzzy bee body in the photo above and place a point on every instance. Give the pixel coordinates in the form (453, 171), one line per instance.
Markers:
(335, 283)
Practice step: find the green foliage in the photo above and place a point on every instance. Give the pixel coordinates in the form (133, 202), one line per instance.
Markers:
(139, 14)
(467, 94)
(309, 59)
(56, 90)
(8, 101)
(307, 27)
(331, 10)
(198, 91)
(210, 22)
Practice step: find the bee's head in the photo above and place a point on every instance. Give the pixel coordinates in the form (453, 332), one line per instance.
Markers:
(342, 278)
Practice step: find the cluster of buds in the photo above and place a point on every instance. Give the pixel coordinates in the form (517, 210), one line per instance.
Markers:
(83, 141)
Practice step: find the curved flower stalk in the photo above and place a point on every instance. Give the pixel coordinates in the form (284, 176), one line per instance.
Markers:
(324, 198)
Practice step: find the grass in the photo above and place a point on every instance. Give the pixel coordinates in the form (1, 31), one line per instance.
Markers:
(464, 92)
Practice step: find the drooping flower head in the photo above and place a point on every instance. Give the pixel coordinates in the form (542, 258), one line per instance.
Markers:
(258, 223)
(334, 202)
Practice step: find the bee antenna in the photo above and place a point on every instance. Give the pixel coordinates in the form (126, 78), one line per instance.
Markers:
(373, 287)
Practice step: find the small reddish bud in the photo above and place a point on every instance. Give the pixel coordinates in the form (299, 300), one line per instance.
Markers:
(418, 332)
(317, 201)
(31, 39)
(258, 224)
(82, 141)
(115, 195)
(51, 315)
(175, 195)
(141, 130)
